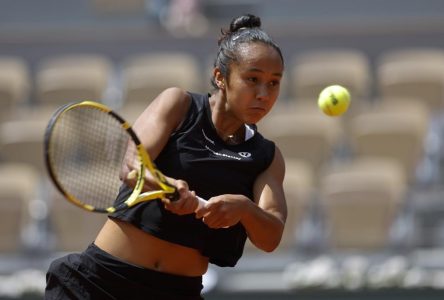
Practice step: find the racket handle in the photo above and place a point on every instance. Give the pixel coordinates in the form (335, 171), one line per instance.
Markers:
(202, 202)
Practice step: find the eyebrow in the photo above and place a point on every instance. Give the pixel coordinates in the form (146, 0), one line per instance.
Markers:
(261, 71)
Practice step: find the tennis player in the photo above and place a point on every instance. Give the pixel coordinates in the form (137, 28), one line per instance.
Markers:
(206, 145)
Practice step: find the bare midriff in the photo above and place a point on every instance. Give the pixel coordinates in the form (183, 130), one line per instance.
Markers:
(132, 245)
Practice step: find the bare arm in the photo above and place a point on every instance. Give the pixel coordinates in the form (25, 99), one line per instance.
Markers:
(164, 115)
(156, 123)
(265, 218)
(154, 127)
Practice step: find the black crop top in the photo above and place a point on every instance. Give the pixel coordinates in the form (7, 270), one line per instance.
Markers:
(196, 154)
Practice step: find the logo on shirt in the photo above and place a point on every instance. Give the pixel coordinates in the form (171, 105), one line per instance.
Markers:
(241, 154)
(244, 154)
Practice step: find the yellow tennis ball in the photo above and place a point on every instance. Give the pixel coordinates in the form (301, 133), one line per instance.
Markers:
(334, 100)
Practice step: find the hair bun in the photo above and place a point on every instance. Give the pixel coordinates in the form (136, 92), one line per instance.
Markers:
(245, 21)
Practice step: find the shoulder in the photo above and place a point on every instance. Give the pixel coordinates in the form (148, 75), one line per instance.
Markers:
(171, 103)
(265, 144)
(276, 162)
(168, 108)
(177, 105)
(174, 95)
(177, 97)
(276, 167)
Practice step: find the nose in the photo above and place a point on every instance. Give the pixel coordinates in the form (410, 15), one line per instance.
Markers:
(262, 92)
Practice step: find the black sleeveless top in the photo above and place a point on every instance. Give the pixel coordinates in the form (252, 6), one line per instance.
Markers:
(196, 154)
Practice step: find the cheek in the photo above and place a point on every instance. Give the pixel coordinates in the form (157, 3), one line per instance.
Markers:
(275, 95)
(240, 92)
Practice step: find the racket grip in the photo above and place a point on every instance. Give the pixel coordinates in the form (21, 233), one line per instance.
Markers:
(203, 203)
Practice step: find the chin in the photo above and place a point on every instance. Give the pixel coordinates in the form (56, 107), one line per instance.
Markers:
(256, 117)
(253, 120)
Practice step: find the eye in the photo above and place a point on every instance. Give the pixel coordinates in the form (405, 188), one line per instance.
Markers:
(275, 83)
(252, 79)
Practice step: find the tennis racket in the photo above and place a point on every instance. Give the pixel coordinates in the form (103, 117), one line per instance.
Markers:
(86, 145)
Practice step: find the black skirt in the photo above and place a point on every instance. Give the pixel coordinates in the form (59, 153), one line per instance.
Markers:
(95, 274)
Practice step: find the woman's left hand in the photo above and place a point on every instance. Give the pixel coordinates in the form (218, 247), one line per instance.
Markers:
(223, 211)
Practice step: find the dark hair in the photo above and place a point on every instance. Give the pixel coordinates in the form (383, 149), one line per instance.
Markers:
(243, 29)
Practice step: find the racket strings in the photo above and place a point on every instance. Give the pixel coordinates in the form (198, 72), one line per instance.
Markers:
(87, 148)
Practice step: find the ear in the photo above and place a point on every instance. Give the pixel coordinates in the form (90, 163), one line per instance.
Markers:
(219, 78)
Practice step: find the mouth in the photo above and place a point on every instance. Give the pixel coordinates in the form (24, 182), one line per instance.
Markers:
(257, 108)
(257, 113)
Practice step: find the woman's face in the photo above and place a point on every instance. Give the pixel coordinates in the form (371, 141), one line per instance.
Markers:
(254, 82)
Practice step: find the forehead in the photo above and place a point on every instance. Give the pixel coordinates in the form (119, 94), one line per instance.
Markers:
(259, 56)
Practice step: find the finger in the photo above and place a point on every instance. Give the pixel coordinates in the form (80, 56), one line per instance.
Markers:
(175, 206)
(182, 187)
(204, 207)
(201, 212)
(166, 201)
(192, 202)
(132, 175)
(185, 205)
(213, 223)
(201, 203)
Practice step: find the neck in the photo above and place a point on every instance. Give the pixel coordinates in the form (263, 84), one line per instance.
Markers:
(228, 127)
(237, 137)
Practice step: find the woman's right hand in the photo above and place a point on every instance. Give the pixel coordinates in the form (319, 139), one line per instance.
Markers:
(187, 202)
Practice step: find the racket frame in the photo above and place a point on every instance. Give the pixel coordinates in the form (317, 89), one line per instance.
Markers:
(168, 190)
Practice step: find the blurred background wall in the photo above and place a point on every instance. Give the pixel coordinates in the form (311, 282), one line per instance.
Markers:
(364, 191)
